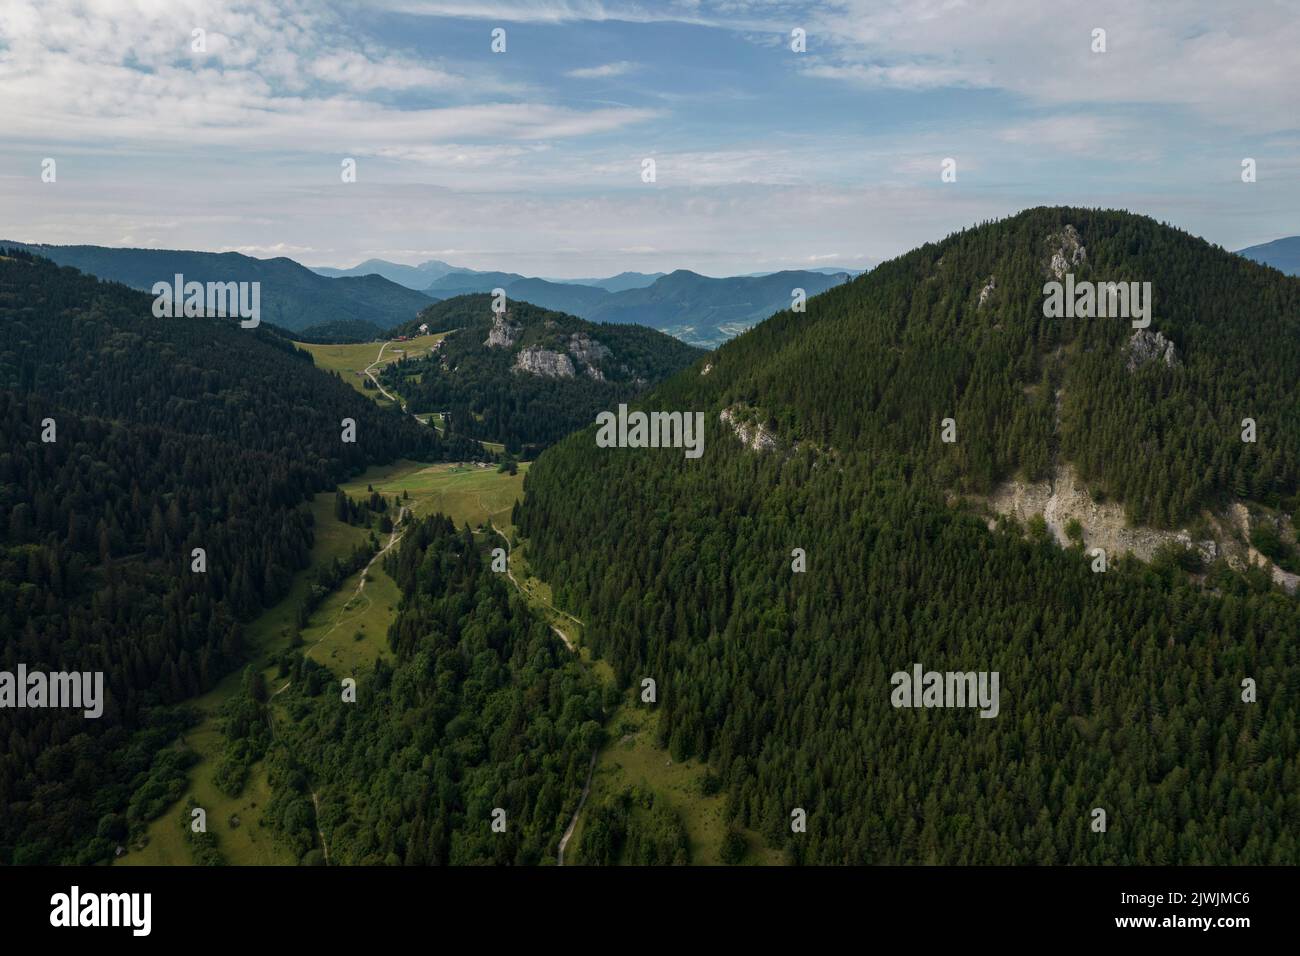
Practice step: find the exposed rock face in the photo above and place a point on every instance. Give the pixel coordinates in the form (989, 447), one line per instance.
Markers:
(544, 362)
(1240, 520)
(752, 434)
(586, 349)
(1147, 346)
(1066, 251)
(597, 374)
(1104, 525)
(708, 367)
(987, 290)
(502, 335)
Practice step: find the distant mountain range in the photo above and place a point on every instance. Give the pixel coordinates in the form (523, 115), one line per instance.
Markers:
(413, 277)
(701, 310)
(361, 303)
(1281, 254)
(293, 297)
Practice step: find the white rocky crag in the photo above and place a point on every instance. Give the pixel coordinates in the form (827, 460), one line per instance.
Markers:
(752, 434)
(987, 291)
(502, 335)
(1240, 520)
(1066, 251)
(586, 349)
(1104, 525)
(544, 362)
(1147, 346)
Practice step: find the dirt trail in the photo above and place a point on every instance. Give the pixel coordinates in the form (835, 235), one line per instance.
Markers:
(564, 840)
(550, 607)
(370, 370)
(393, 538)
(315, 802)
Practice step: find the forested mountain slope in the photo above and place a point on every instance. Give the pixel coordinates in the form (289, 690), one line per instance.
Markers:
(484, 709)
(530, 376)
(1120, 691)
(292, 296)
(168, 435)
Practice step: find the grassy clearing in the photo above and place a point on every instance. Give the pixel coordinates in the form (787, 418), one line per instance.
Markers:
(349, 631)
(351, 361)
(632, 759)
(266, 637)
(465, 492)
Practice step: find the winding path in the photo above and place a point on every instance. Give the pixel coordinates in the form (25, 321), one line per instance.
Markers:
(564, 840)
(393, 538)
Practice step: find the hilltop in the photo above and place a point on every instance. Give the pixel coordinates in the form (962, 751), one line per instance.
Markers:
(529, 376)
(830, 537)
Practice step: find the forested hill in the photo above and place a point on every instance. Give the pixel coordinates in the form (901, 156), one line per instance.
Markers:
(529, 377)
(129, 441)
(292, 296)
(1120, 691)
(483, 708)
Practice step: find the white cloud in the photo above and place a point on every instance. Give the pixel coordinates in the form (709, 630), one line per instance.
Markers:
(546, 11)
(603, 71)
(275, 76)
(1229, 63)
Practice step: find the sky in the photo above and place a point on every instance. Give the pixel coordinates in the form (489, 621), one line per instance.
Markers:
(533, 159)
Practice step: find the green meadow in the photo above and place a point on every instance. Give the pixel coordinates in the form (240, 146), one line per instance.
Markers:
(630, 758)
(351, 361)
(346, 633)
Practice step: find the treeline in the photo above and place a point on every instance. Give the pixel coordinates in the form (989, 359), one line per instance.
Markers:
(1121, 691)
(480, 709)
(362, 513)
(128, 442)
(633, 828)
(325, 578)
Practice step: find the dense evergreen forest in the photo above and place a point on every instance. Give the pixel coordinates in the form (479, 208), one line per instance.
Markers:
(1120, 690)
(482, 708)
(169, 435)
(338, 332)
(485, 396)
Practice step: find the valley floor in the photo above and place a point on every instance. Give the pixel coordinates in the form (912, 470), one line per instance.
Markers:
(348, 631)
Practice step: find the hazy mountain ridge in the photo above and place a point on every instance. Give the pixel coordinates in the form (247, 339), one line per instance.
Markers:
(700, 310)
(292, 296)
(1282, 254)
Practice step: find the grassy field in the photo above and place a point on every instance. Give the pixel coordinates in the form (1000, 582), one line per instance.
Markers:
(348, 632)
(266, 637)
(632, 759)
(465, 492)
(351, 361)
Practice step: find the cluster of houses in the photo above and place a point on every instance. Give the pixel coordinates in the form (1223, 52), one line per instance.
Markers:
(424, 330)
